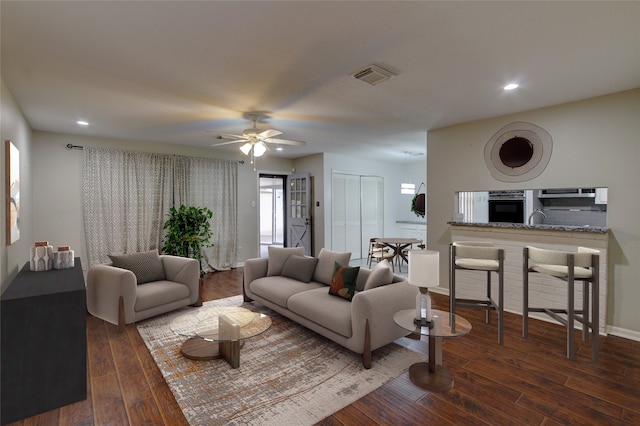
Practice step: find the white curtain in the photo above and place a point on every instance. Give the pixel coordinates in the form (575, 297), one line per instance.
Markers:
(126, 197)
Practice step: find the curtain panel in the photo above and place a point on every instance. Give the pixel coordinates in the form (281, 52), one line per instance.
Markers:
(126, 197)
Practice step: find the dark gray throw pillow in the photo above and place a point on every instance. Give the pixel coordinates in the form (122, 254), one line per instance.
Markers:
(299, 267)
(146, 266)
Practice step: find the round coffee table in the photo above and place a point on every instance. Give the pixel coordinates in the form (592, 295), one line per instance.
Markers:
(432, 375)
(218, 332)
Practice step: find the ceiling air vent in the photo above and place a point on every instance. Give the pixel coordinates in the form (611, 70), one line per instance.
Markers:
(373, 74)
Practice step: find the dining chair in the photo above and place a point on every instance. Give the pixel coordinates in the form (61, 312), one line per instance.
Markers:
(480, 256)
(569, 267)
(379, 252)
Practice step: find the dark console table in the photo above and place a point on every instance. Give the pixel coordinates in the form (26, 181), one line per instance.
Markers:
(44, 342)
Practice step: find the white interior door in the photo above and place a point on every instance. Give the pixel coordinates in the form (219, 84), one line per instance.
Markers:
(299, 211)
(372, 196)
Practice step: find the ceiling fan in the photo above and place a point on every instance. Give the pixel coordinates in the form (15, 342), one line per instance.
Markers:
(256, 140)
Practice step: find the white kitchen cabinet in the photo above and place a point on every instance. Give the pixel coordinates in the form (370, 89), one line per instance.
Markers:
(601, 195)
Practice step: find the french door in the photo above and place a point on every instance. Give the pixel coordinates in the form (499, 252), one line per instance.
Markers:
(299, 211)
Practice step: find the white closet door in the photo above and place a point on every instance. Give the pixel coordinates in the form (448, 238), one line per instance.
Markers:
(357, 212)
(372, 196)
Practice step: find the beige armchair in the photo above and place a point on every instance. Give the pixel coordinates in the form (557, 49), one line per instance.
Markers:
(114, 295)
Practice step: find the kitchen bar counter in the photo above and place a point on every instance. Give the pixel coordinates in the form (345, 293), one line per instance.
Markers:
(542, 227)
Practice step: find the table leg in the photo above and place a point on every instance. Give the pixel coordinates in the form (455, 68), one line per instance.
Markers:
(432, 375)
(231, 352)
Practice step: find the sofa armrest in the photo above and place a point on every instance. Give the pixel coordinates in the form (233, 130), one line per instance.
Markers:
(253, 269)
(378, 305)
(105, 285)
(183, 270)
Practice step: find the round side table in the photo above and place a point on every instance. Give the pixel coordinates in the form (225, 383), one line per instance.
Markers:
(432, 375)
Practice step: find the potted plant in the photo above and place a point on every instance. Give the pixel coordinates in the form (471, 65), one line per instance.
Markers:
(418, 204)
(188, 231)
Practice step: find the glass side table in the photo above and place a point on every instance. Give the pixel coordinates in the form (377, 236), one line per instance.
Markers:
(218, 332)
(432, 375)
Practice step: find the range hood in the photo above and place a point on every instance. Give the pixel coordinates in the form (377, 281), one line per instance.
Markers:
(566, 193)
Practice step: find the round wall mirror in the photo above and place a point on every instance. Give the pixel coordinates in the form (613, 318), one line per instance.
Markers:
(518, 152)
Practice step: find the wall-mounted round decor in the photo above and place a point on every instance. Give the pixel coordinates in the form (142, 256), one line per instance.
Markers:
(518, 152)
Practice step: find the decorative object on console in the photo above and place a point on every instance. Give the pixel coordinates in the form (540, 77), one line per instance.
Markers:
(424, 272)
(63, 258)
(41, 258)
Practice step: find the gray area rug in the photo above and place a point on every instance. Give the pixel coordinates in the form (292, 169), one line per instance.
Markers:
(287, 376)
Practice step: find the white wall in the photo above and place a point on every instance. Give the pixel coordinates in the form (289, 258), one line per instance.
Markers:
(16, 129)
(57, 192)
(596, 143)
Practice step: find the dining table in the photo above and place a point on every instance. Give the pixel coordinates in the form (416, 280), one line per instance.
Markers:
(398, 245)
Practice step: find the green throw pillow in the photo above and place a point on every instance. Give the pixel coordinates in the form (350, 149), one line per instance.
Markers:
(343, 281)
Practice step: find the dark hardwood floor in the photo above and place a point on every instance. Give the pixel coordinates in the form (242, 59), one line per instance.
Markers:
(523, 382)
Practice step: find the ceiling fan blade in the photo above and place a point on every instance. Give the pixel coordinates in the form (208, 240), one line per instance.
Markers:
(230, 142)
(285, 142)
(269, 133)
(225, 135)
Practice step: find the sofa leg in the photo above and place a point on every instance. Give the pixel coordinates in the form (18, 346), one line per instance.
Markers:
(200, 290)
(366, 353)
(121, 323)
(246, 298)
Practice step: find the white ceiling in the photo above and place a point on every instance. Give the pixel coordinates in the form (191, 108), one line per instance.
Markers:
(169, 71)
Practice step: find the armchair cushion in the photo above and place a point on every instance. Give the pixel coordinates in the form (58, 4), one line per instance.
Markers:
(146, 266)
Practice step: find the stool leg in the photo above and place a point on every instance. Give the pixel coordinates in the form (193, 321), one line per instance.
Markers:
(525, 293)
(586, 325)
(595, 309)
(452, 287)
(500, 302)
(487, 315)
(571, 308)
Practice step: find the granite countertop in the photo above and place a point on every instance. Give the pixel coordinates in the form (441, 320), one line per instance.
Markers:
(594, 229)
(412, 222)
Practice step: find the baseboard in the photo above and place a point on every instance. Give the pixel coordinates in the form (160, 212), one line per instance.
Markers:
(623, 332)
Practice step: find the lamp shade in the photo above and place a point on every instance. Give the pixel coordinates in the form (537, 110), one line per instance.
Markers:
(424, 268)
(259, 149)
(246, 148)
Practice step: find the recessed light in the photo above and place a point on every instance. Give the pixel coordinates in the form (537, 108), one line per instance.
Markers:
(82, 123)
(511, 86)
(279, 148)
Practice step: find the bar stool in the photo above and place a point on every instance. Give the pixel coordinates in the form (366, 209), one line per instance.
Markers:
(477, 256)
(568, 266)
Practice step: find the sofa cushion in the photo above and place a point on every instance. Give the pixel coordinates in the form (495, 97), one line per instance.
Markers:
(146, 266)
(326, 260)
(333, 313)
(299, 268)
(279, 289)
(381, 274)
(343, 282)
(278, 256)
(153, 294)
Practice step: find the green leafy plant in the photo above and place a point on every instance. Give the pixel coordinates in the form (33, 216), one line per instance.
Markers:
(188, 231)
(417, 204)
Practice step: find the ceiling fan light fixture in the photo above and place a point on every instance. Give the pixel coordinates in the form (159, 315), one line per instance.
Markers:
(259, 149)
(246, 148)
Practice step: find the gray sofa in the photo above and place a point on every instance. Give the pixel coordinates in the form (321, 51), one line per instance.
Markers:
(361, 325)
